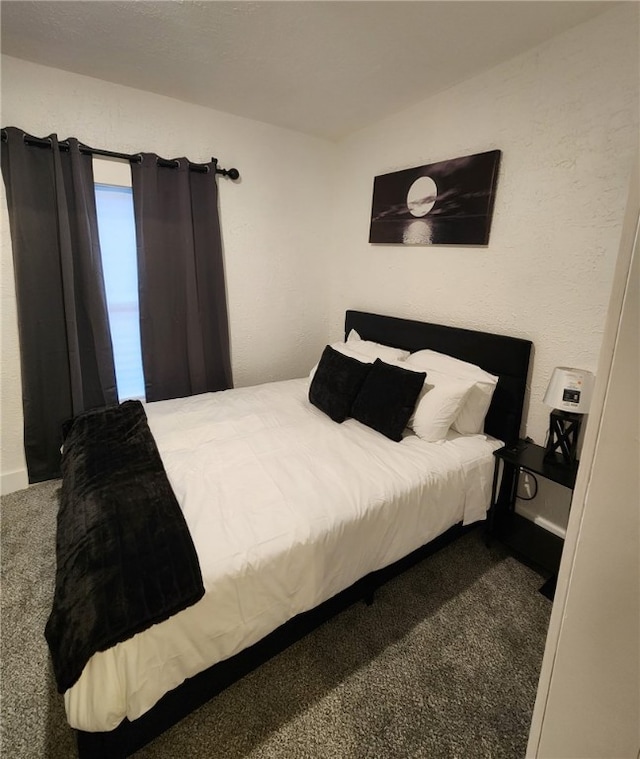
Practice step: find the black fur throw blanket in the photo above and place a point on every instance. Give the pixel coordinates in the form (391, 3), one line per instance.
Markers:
(125, 558)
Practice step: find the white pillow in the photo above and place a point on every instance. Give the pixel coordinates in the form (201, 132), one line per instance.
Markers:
(375, 350)
(470, 419)
(437, 407)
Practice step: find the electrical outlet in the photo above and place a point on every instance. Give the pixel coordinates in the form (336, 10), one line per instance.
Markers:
(528, 485)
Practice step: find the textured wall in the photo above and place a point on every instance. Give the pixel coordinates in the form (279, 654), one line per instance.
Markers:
(565, 116)
(588, 698)
(274, 219)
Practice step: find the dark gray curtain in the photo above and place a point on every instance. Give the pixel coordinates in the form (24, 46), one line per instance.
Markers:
(65, 342)
(183, 307)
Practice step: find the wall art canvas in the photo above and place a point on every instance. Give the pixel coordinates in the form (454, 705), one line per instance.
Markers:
(445, 203)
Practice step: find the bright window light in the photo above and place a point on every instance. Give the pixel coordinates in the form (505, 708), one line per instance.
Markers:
(117, 232)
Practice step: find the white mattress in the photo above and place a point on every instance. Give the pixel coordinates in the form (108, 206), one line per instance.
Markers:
(286, 509)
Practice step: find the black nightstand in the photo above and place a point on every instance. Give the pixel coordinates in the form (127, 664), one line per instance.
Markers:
(527, 540)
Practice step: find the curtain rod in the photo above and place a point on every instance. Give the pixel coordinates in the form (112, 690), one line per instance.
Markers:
(133, 157)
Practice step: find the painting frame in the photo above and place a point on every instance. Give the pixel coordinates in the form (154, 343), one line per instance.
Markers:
(444, 203)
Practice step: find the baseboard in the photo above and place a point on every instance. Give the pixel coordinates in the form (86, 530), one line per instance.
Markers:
(528, 513)
(12, 481)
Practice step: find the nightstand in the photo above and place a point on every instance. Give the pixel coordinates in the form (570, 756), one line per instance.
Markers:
(527, 540)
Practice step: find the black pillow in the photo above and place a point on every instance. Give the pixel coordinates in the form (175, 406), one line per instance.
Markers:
(336, 383)
(387, 398)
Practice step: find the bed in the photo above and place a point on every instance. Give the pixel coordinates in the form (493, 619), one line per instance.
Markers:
(296, 544)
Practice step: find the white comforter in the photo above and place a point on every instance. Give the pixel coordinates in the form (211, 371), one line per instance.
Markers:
(286, 509)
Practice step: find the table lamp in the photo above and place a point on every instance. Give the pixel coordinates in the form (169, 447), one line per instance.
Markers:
(569, 395)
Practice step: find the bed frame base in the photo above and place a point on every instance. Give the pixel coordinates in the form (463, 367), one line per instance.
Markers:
(128, 737)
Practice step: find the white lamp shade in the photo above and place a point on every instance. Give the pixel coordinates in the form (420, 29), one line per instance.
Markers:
(570, 390)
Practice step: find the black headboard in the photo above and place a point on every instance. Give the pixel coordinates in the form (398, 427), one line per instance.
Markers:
(507, 357)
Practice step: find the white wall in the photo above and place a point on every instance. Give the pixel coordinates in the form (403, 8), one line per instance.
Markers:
(274, 220)
(565, 116)
(588, 703)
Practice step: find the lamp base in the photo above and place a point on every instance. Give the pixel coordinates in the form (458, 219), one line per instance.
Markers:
(564, 428)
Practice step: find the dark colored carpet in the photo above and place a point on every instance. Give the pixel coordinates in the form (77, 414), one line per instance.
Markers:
(444, 664)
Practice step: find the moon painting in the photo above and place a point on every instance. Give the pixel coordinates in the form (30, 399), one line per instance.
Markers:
(445, 203)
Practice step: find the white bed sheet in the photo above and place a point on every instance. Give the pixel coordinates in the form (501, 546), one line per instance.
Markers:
(286, 509)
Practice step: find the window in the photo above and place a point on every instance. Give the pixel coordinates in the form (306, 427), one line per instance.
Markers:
(116, 229)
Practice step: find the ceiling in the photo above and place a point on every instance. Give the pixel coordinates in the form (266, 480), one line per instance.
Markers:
(324, 68)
